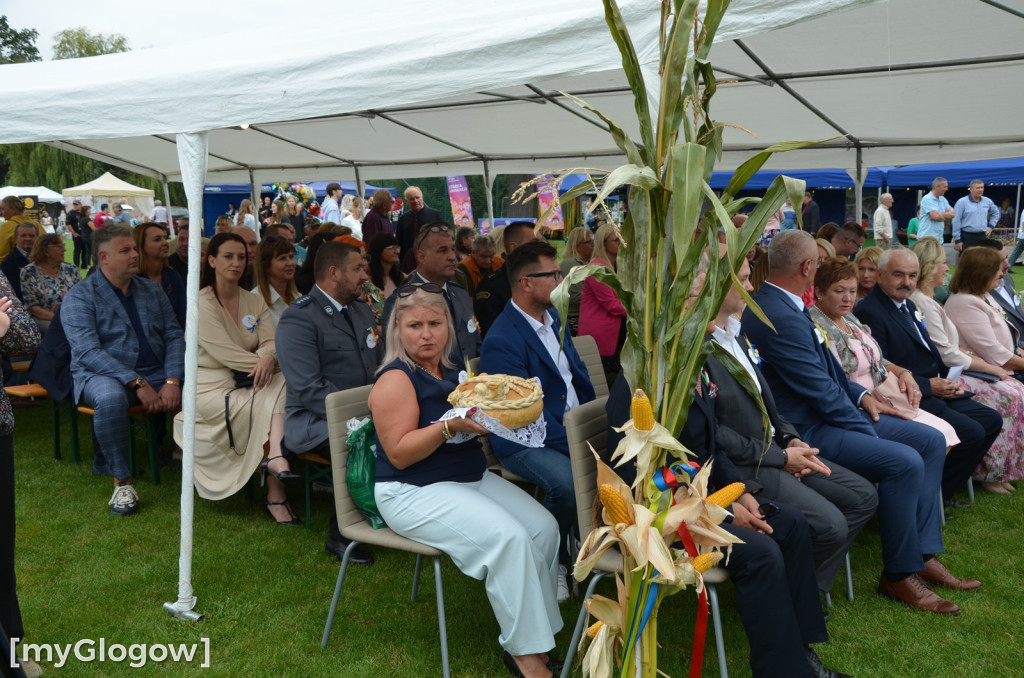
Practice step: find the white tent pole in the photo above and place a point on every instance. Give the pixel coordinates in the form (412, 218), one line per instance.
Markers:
(858, 188)
(1016, 219)
(167, 204)
(489, 185)
(255, 191)
(192, 157)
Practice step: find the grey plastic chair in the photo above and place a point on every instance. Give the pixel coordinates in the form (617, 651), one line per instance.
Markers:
(586, 345)
(341, 407)
(588, 423)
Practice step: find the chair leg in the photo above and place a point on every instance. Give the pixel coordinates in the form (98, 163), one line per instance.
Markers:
(73, 420)
(849, 578)
(577, 632)
(308, 481)
(970, 490)
(337, 593)
(716, 618)
(442, 627)
(56, 429)
(153, 448)
(416, 578)
(828, 599)
(942, 510)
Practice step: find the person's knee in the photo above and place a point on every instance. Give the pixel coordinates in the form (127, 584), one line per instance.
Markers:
(105, 393)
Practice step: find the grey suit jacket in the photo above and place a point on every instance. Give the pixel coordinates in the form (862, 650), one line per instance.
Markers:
(1014, 312)
(319, 355)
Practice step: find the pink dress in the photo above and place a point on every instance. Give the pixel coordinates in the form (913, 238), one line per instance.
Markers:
(601, 314)
(868, 353)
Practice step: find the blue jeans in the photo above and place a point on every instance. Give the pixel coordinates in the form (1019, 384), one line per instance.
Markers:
(549, 470)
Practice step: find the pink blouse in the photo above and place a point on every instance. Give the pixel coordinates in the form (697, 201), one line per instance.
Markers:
(601, 313)
(983, 330)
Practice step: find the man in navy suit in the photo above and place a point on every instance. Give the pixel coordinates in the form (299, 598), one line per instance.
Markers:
(524, 341)
(899, 329)
(853, 429)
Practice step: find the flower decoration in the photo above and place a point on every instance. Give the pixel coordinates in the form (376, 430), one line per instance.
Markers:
(821, 336)
(920, 318)
(250, 322)
(754, 355)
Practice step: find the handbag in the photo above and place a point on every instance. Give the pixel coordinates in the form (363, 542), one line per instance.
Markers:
(888, 391)
(361, 472)
(242, 379)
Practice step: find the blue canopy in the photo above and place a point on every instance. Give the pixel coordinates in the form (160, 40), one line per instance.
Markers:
(823, 178)
(319, 187)
(1004, 171)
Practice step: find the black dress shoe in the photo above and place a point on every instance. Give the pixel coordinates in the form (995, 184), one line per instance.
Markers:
(554, 665)
(820, 671)
(336, 547)
(953, 503)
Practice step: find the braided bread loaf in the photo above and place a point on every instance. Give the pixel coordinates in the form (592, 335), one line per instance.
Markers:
(513, 401)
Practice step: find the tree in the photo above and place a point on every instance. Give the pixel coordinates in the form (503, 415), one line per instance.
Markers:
(73, 43)
(17, 47)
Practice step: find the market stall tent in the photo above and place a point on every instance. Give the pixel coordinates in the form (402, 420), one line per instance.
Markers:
(110, 187)
(42, 193)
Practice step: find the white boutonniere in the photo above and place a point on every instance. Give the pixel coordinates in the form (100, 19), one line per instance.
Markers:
(250, 322)
(920, 318)
(755, 355)
(820, 335)
(463, 376)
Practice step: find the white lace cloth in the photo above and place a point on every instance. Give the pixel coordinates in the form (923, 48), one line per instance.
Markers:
(531, 435)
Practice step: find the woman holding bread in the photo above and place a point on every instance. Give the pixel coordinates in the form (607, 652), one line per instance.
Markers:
(437, 491)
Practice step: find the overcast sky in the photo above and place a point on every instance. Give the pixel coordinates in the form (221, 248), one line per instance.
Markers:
(150, 24)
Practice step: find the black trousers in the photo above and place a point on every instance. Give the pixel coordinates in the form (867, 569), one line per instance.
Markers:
(976, 425)
(777, 595)
(10, 613)
(968, 238)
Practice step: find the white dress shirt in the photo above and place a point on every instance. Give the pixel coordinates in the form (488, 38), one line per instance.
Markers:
(546, 333)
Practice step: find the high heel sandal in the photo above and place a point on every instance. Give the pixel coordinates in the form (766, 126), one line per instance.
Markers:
(294, 519)
(282, 476)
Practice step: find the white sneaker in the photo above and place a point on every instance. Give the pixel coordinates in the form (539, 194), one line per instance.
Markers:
(125, 501)
(563, 584)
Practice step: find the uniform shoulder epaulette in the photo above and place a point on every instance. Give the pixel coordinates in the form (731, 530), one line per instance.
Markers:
(302, 301)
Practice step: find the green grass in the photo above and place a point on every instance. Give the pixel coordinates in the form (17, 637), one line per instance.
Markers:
(265, 590)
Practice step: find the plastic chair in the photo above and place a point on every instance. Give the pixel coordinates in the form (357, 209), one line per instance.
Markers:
(342, 406)
(588, 423)
(586, 345)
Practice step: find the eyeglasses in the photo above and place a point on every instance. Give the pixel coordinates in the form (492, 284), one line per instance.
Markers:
(424, 232)
(410, 289)
(395, 248)
(556, 274)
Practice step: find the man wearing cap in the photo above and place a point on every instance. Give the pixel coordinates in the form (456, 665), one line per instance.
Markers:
(333, 346)
(330, 210)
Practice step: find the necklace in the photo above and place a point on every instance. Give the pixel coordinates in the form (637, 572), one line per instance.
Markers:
(427, 371)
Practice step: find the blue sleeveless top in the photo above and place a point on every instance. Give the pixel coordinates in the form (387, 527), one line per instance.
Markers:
(460, 463)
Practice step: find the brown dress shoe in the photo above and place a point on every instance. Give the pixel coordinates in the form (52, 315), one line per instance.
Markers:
(936, 574)
(915, 593)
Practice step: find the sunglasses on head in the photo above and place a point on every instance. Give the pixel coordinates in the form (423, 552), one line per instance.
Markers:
(49, 240)
(424, 232)
(408, 290)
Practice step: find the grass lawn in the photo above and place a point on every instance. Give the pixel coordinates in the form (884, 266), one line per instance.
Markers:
(84, 574)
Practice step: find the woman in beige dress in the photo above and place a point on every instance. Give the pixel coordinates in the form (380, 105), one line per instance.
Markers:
(234, 424)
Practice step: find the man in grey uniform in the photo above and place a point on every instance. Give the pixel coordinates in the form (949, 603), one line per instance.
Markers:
(332, 345)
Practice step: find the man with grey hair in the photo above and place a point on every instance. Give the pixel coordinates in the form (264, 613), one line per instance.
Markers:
(935, 211)
(882, 222)
(852, 428)
(974, 216)
(159, 215)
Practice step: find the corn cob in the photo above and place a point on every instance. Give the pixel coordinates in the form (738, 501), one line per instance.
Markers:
(706, 561)
(727, 495)
(614, 504)
(594, 628)
(643, 414)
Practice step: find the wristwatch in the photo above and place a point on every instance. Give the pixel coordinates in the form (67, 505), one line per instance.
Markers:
(137, 383)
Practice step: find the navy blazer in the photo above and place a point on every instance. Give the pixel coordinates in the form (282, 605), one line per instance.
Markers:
(102, 339)
(898, 341)
(11, 267)
(809, 386)
(512, 347)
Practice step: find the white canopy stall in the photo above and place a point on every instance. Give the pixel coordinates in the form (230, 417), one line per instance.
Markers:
(478, 92)
(110, 187)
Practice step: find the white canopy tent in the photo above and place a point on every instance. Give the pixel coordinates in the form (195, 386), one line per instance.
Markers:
(42, 193)
(478, 93)
(110, 187)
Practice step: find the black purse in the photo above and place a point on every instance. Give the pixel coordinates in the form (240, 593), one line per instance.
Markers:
(242, 380)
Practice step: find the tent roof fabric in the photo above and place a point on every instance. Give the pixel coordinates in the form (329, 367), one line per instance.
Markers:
(869, 72)
(42, 193)
(108, 185)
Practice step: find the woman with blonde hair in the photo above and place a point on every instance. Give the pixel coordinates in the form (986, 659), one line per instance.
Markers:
(222, 225)
(275, 275)
(247, 216)
(867, 270)
(579, 248)
(990, 383)
(602, 315)
(432, 483)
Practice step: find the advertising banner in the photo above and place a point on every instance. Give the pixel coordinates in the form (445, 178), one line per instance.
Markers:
(462, 208)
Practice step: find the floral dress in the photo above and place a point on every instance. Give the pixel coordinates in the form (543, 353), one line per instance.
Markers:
(40, 289)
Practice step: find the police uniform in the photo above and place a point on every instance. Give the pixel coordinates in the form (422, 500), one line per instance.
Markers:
(321, 352)
(467, 331)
